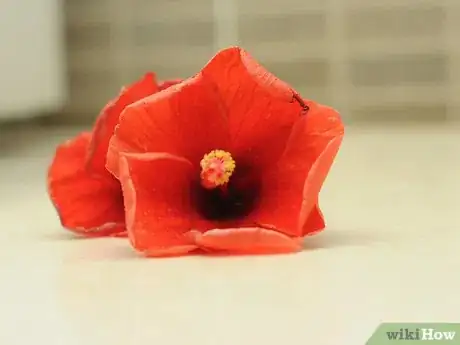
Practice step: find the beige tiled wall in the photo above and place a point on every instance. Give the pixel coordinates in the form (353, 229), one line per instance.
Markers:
(113, 42)
(372, 60)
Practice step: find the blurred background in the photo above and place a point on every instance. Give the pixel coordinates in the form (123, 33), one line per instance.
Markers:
(391, 200)
(375, 61)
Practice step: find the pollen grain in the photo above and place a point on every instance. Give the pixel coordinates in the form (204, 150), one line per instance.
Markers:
(217, 167)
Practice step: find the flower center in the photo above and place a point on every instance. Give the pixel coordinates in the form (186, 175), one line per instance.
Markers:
(216, 168)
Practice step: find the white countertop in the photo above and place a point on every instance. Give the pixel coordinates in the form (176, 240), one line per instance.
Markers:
(391, 253)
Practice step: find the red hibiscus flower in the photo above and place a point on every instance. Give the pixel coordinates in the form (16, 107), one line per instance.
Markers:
(87, 197)
(231, 160)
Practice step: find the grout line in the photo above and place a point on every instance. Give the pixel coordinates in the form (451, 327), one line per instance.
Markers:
(120, 44)
(340, 79)
(225, 23)
(452, 28)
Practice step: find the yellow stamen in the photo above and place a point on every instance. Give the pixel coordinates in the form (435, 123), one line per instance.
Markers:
(217, 167)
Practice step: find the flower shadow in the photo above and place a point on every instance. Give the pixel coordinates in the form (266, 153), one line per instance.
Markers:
(76, 248)
(344, 238)
(58, 236)
(232, 255)
(119, 249)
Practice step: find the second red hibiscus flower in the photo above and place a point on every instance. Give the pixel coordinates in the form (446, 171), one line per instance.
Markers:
(231, 160)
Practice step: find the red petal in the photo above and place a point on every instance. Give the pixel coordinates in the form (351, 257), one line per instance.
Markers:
(184, 120)
(167, 83)
(121, 234)
(315, 222)
(261, 108)
(159, 213)
(247, 241)
(290, 190)
(108, 119)
(87, 204)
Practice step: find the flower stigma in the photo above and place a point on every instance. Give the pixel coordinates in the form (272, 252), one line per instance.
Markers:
(217, 167)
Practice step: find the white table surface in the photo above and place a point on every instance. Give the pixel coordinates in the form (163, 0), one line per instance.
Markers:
(391, 253)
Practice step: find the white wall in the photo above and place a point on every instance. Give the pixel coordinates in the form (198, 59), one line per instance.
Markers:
(32, 73)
